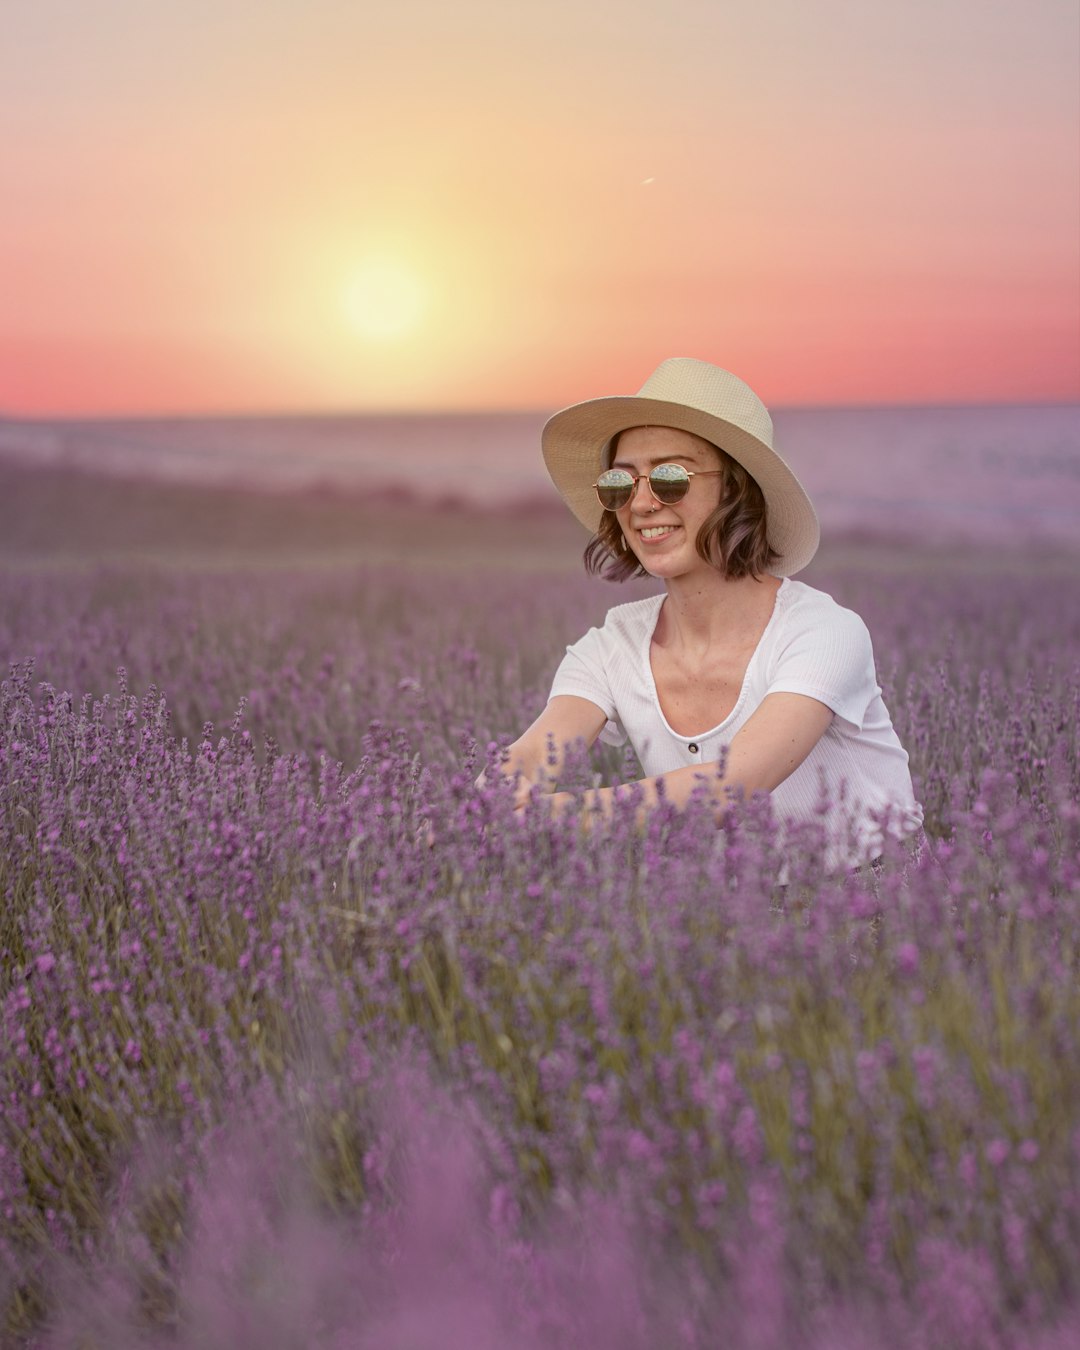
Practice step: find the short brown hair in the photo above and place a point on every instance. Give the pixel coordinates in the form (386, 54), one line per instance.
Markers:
(733, 539)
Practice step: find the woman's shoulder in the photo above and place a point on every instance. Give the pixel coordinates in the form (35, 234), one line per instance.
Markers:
(633, 610)
(624, 628)
(805, 607)
(634, 618)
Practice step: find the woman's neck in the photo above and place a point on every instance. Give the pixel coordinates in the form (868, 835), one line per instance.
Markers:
(704, 608)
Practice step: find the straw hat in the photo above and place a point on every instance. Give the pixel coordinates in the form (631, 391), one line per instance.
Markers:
(690, 396)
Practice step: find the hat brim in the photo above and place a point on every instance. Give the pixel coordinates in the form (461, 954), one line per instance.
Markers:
(574, 439)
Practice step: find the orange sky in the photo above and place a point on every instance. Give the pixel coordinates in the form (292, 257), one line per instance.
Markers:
(284, 207)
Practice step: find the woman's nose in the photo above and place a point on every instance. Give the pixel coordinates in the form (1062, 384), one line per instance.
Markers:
(643, 499)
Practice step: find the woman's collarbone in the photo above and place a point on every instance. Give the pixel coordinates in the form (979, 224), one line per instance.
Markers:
(696, 698)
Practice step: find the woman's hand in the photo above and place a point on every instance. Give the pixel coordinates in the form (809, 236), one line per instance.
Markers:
(523, 787)
(595, 806)
(523, 790)
(555, 802)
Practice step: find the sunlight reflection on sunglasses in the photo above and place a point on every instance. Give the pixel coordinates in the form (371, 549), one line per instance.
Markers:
(668, 483)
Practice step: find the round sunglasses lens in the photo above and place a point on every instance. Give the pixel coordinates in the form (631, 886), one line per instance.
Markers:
(614, 487)
(669, 483)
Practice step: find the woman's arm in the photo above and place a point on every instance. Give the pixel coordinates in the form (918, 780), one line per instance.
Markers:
(773, 743)
(537, 755)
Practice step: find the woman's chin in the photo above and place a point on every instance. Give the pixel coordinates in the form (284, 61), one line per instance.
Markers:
(666, 568)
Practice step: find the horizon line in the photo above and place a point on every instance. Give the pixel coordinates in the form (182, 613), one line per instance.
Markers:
(356, 413)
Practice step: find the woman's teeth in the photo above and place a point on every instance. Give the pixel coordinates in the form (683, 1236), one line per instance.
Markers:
(655, 531)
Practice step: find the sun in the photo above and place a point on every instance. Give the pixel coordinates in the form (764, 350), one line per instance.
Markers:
(384, 300)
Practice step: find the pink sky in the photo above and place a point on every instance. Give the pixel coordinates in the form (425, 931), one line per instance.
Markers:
(283, 207)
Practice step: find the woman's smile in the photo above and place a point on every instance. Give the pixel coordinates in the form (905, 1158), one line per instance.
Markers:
(651, 534)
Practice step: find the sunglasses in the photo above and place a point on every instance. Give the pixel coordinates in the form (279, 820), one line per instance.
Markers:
(668, 483)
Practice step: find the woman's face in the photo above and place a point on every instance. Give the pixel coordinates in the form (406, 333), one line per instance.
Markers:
(663, 537)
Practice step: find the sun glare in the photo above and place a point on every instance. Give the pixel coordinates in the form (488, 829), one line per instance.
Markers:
(384, 300)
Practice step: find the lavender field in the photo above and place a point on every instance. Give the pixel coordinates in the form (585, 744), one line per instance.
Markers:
(308, 1042)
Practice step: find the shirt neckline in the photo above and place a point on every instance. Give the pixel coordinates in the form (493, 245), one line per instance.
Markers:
(699, 736)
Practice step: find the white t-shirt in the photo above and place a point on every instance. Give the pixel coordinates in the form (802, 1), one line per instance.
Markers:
(811, 646)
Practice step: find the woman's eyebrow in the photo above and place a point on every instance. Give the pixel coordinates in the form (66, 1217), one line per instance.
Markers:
(690, 459)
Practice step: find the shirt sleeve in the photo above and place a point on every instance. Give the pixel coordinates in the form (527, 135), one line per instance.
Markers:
(828, 656)
(583, 673)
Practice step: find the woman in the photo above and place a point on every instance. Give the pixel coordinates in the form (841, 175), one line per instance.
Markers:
(734, 676)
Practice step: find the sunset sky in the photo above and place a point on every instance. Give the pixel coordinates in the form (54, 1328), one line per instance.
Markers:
(269, 205)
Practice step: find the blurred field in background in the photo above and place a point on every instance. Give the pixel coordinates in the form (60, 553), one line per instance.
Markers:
(60, 516)
(64, 517)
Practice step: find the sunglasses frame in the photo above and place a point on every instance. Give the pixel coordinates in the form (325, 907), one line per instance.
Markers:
(682, 483)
